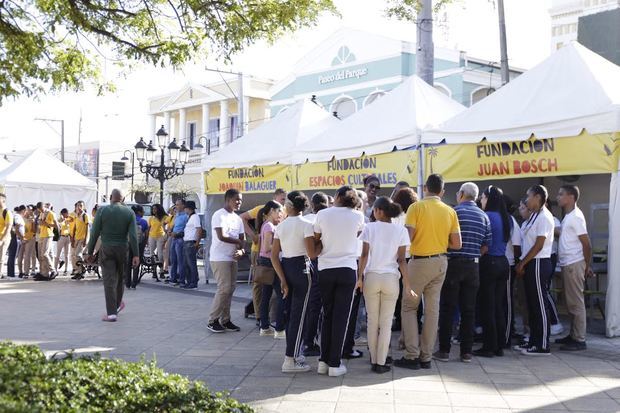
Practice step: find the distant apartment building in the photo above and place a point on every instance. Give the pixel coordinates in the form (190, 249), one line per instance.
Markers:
(565, 16)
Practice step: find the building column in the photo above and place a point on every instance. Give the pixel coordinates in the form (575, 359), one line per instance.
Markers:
(246, 115)
(152, 125)
(166, 125)
(204, 129)
(182, 126)
(224, 124)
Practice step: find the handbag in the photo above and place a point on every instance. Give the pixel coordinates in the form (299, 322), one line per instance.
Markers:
(264, 274)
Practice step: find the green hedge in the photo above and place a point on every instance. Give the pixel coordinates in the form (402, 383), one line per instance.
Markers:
(31, 383)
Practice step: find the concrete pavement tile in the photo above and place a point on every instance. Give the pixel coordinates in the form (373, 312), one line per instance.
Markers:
(614, 393)
(412, 383)
(282, 382)
(421, 397)
(571, 392)
(204, 352)
(228, 370)
(366, 395)
(518, 379)
(221, 383)
(593, 404)
(605, 382)
(186, 371)
(375, 382)
(413, 408)
(289, 406)
(474, 388)
(312, 380)
(357, 407)
(533, 402)
(523, 390)
(266, 407)
(302, 393)
(476, 400)
(461, 409)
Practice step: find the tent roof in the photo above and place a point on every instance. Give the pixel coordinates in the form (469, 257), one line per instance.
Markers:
(43, 169)
(394, 120)
(4, 164)
(274, 141)
(572, 90)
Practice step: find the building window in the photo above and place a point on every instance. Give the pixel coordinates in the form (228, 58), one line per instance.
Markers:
(234, 128)
(480, 94)
(213, 133)
(191, 134)
(344, 107)
(573, 28)
(372, 97)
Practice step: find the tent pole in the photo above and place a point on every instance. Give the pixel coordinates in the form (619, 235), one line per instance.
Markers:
(421, 168)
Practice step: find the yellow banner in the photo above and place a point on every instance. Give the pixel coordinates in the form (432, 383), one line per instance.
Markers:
(257, 179)
(389, 167)
(579, 155)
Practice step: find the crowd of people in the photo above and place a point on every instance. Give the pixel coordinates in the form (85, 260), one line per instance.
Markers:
(457, 275)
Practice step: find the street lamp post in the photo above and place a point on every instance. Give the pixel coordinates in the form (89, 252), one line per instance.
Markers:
(199, 145)
(162, 172)
(125, 158)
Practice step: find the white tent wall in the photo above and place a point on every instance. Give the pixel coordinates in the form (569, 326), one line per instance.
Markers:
(612, 305)
(60, 197)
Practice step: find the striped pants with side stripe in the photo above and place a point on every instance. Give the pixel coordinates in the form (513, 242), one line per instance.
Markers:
(536, 281)
(297, 273)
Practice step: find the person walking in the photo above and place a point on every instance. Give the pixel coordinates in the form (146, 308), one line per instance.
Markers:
(292, 238)
(575, 255)
(6, 225)
(132, 273)
(460, 287)
(494, 275)
(227, 244)
(191, 244)
(19, 226)
(47, 223)
(116, 225)
(433, 227)
(177, 266)
(64, 241)
(337, 229)
(383, 254)
(157, 235)
(26, 258)
(80, 231)
(535, 267)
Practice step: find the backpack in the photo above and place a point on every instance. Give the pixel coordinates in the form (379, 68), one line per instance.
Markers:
(139, 232)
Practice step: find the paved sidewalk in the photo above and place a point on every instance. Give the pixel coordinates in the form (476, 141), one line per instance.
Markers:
(170, 326)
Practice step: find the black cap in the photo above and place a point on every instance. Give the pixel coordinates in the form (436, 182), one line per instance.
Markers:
(191, 205)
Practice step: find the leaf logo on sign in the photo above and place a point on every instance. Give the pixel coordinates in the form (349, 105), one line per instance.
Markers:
(344, 56)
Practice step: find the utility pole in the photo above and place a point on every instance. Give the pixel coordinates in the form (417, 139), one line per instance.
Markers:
(502, 43)
(242, 109)
(425, 53)
(62, 135)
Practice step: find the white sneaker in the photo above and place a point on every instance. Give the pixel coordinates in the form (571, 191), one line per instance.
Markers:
(267, 331)
(557, 329)
(323, 368)
(292, 366)
(338, 371)
(361, 341)
(279, 335)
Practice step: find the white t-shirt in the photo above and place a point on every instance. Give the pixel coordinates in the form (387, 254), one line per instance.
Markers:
(232, 226)
(18, 221)
(339, 227)
(557, 225)
(570, 248)
(192, 226)
(384, 239)
(515, 239)
(540, 224)
(291, 232)
(401, 221)
(310, 218)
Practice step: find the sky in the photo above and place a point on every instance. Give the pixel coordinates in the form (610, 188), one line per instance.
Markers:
(468, 25)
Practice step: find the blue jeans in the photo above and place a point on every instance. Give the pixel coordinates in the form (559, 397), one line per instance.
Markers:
(191, 265)
(177, 266)
(267, 290)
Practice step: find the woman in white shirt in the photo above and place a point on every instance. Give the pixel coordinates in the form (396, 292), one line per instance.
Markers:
(289, 242)
(535, 267)
(383, 254)
(337, 228)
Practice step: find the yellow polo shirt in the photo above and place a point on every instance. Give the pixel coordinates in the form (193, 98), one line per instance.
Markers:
(433, 221)
(79, 225)
(253, 213)
(29, 232)
(157, 227)
(169, 222)
(65, 228)
(3, 221)
(44, 231)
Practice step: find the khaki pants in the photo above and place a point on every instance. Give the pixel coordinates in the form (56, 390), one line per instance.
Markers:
(380, 294)
(426, 278)
(167, 243)
(45, 255)
(27, 257)
(3, 248)
(225, 274)
(257, 289)
(62, 251)
(77, 251)
(157, 243)
(573, 276)
(113, 260)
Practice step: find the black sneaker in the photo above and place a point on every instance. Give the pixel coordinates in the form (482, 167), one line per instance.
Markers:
(381, 369)
(312, 351)
(407, 363)
(215, 327)
(389, 361)
(425, 364)
(535, 351)
(61, 263)
(441, 356)
(574, 345)
(565, 340)
(482, 352)
(229, 326)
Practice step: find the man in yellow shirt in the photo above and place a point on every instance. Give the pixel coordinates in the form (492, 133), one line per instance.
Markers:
(433, 227)
(27, 255)
(63, 243)
(280, 197)
(46, 224)
(6, 223)
(79, 229)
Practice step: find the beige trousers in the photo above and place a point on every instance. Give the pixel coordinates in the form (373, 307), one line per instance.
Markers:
(574, 276)
(426, 277)
(77, 251)
(380, 295)
(157, 243)
(3, 248)
(167, 243)
(45, 255)
(62, 252)
(225, 274)
(28, 256)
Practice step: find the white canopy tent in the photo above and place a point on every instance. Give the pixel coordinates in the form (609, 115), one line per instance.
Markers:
(392, 121)
(4, 164)
(274, 141)
(41, 177)
(572, 90)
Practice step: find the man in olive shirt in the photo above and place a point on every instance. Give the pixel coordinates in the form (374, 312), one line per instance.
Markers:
(116, 224)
